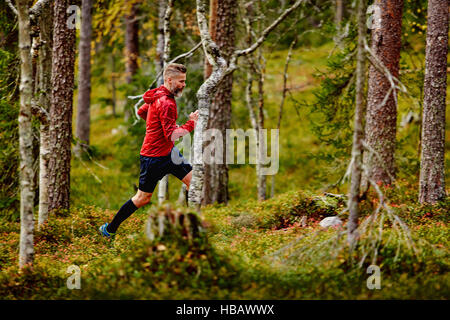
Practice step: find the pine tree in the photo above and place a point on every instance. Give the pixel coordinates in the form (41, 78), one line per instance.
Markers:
(381, 117)
(61, 107)
(432, 166)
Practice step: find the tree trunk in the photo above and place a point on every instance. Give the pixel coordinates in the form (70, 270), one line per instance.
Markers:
(45, 89)
(432, 166)
(84, 77)
(261, 148)
(339, 7)
(213, 4)
(26, 250)
(163, 186)
(222, 22)
(381, 121)
(160, 40)
(131, 48)
(357, 148)
(113, 83)
(61, 108)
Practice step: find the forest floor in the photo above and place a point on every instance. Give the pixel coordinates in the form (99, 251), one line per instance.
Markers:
(274, 249)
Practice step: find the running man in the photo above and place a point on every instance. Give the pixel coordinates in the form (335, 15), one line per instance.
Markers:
(158, 150)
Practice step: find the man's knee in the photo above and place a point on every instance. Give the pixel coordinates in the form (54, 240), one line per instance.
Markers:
(141, 199)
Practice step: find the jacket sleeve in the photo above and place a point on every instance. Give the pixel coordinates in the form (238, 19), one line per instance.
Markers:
(142, 111)
(168, 116)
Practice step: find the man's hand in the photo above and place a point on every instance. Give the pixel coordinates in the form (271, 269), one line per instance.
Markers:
(194, 116)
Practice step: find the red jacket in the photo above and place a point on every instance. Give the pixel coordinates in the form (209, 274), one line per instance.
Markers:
(160, 113)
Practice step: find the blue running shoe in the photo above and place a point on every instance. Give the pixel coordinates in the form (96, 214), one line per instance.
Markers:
(105, 233)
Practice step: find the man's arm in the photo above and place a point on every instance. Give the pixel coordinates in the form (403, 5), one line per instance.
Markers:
(142, 111)
(168, 116)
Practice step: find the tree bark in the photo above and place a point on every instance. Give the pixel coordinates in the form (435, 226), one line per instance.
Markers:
(432, 166)
(163, 186)
(222, 22)
(26, 174)
(131, 48)
(381, 120)
(45, 89)
(260, 137)
(213, 4)
(112, 60)
(357, 148)
(339, 7)
(162, 6)
(84, 77)
(61, 108)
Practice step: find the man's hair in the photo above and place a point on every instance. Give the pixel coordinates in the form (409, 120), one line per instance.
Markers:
(173, 69)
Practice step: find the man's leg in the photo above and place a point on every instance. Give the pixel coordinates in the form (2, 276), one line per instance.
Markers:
(187, 179)
(139, 200)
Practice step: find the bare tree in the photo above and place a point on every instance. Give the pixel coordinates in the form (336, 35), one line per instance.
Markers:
(61, 107)
(205, 93)
(381, 117)
(84, 77)
(358, 130)
(432, 166)
(256, 72)
(283, 98)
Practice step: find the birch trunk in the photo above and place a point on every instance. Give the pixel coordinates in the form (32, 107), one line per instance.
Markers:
(45, 85)
(26, 175)
(261, 143)
(432, 166)
(210, 173)
(163, 186)
(61, 108)
(381, 120)
(357, 148)
(160, 40)
(84, 78)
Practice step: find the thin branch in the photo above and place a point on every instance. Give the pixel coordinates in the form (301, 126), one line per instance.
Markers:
(12, 7)
(285, 76)
(40, 113)
(238, 53)
(266, 32)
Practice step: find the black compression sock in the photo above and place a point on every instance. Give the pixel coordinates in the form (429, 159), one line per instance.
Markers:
(125, 211)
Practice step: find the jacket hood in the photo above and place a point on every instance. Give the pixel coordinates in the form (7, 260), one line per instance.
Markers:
(152, 95)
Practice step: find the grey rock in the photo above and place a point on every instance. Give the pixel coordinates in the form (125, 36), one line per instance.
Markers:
(330, 222)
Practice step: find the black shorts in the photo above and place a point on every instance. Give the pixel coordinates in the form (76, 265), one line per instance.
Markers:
(154, 169)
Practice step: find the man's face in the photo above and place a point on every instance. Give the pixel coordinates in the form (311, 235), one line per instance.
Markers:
(177, 84)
